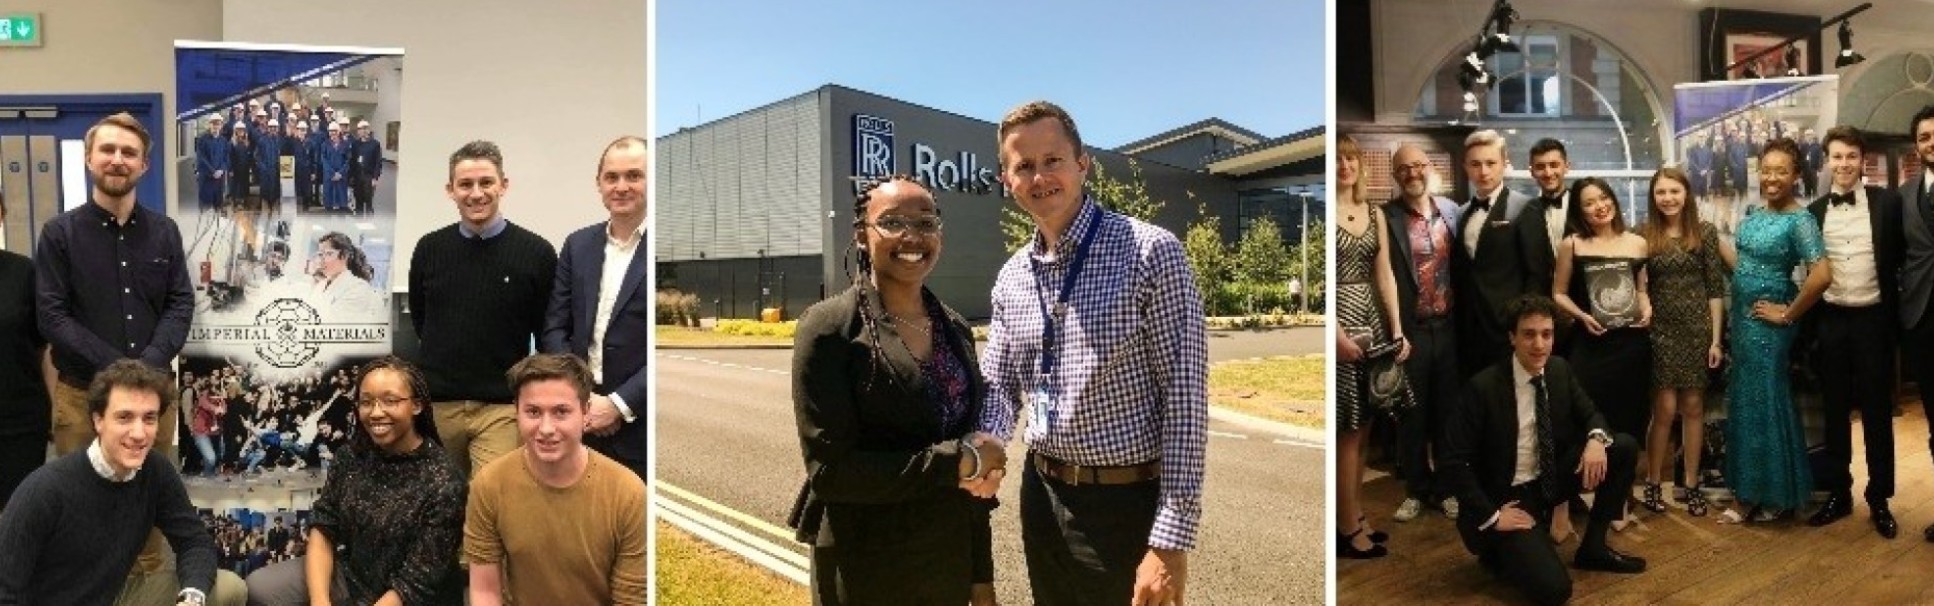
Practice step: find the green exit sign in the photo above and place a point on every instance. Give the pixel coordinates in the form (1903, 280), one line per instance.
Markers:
(20, 29)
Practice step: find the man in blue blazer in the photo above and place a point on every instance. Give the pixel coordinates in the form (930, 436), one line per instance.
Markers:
(609, 332)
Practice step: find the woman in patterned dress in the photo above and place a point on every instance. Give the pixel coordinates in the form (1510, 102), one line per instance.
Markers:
(1688, 285)
(1366, 295)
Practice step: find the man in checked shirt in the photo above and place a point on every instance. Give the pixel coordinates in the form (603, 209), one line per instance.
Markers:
(1098, 333)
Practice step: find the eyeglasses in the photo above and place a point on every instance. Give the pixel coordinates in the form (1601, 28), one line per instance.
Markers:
(389, 403)
(329, 252)
(892, 226)
(1413, 167)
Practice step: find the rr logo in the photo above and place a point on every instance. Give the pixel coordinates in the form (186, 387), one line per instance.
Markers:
(872, 146)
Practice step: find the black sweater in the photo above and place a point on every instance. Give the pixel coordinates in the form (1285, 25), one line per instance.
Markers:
(69, 535)
(478, 307)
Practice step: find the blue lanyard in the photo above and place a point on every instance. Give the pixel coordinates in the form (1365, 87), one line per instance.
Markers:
(1050, 330)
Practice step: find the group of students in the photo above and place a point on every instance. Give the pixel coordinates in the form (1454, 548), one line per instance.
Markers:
(1521, 345)
(239, 159)
(525, 469)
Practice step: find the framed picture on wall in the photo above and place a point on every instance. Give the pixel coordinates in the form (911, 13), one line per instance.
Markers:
(1728, 36)
(389, 138)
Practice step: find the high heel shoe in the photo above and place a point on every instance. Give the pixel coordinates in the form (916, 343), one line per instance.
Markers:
(1654, 499)
(1376, 536)
(1346, 550)
(1696, 503)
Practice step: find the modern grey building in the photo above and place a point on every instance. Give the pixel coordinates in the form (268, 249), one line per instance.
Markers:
(755, 210)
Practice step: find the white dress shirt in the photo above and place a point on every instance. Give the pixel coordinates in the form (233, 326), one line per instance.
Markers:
(1527, 395)
(1476, 218)
(1849, 234)
(617, 259)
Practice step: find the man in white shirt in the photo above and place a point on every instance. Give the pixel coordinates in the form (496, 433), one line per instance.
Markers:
(1525, 436)
(1855, 329)
(600, 311)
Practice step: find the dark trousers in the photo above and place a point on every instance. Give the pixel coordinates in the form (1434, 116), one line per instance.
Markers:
(1084, 542)
(1856, 367)
(19, 455)
(365, 192)
(1919, 343)
(1435, 382)
(1526, 559)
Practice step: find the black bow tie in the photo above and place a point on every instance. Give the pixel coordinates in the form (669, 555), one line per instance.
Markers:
(1480, 203)
(1556, 202)
(1837, 198)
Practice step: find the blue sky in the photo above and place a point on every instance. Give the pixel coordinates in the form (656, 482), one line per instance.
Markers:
(1125, 70)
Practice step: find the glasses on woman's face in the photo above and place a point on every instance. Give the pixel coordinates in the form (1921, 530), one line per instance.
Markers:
(388, 403)
(329, 253)
(892, 226)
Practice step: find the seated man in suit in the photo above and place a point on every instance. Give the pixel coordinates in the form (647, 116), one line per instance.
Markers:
(1526, 437)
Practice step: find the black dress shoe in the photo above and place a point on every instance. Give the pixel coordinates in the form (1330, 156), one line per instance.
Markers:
(1837, 507)
(1607, 559)
(1884, 521)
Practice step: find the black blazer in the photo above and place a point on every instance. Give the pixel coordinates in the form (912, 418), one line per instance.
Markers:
(882, 475)
(1497, 273)
(1883, 211)
(1479, 449)
(1535, 247)
(573, 311)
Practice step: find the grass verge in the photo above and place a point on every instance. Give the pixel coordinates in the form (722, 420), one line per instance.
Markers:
(691, 571)
(676, 336)
(1289, 389)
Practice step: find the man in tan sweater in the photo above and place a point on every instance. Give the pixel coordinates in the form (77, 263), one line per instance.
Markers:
(554, 522)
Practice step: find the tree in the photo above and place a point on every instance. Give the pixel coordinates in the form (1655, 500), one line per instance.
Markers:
(1128, 197)
(1319, 261)
(1207, 257)
(1261, 260)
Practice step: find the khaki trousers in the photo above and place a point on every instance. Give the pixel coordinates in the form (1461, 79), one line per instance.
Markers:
(476, 433)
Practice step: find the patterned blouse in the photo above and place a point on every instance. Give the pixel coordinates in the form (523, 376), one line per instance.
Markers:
(397, 523)
(946, 373)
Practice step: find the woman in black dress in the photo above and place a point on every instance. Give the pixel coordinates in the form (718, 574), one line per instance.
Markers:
(886, 392)
(1601, 282)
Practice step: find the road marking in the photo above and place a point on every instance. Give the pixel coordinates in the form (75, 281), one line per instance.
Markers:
(780, 560)
(714, 507)
(1303, 444)
(1224, 434)
(727, 364)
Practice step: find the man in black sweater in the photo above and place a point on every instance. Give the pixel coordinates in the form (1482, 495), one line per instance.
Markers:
(478, 291)
(73, 529)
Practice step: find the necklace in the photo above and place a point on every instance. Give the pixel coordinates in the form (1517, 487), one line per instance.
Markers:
(924, 328)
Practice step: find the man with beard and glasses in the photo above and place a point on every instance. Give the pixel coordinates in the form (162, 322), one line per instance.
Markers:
(1420, 228)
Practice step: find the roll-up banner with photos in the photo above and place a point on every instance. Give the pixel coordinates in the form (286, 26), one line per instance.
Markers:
(288, 211)
(1719, 129)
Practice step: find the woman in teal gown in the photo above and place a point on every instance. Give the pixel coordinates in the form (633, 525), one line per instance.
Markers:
(1766, 464)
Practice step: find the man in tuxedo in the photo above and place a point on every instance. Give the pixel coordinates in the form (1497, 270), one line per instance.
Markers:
(609, 330)
(1525, 436)
(1854, 328)
(1542, 226)
(1917, 264)
(1489, 268)
(1419, 228)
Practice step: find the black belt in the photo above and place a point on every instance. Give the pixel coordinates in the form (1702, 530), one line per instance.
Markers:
(1076, 475)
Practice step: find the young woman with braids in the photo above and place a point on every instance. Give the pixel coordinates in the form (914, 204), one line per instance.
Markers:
(394, 505)
(886, 395)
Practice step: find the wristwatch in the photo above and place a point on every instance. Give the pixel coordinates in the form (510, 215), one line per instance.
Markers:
(1599, 436)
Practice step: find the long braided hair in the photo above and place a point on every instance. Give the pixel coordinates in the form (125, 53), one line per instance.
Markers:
(862, 275)
(423, 423)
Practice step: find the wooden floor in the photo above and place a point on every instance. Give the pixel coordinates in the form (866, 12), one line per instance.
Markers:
(1691, 560)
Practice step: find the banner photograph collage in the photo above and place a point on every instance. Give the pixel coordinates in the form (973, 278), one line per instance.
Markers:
(863, 303)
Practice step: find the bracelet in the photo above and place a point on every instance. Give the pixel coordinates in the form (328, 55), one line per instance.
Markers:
(979, 469)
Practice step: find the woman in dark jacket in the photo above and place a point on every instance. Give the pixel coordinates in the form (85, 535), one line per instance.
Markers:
(887, 393)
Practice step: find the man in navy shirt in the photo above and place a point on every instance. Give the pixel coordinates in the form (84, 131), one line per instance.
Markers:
(111, 282)
(366, 167)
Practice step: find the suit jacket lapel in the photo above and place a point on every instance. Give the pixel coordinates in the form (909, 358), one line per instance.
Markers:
(634, 275)
(590, 283)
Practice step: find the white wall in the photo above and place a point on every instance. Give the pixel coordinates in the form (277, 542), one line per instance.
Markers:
(551, 82)
(110, 46)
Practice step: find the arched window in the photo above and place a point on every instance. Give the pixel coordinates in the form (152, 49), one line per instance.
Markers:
(1568, 85)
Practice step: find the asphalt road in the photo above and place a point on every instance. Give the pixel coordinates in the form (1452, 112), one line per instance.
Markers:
(725, 431)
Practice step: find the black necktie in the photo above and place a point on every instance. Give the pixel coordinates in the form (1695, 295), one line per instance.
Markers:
(1555, 203)
(1838, 198)
(1547, 459)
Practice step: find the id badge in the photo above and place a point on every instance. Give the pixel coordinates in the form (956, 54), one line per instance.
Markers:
(1041, 401)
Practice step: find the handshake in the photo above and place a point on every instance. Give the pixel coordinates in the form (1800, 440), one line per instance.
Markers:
(983, 462)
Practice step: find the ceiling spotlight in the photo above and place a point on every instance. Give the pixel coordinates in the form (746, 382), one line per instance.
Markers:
(1472, 73)
(1499, 38)
(1848, 56)
(1792, 60)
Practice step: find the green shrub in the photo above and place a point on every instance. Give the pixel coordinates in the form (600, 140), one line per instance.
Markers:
(754, 328)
